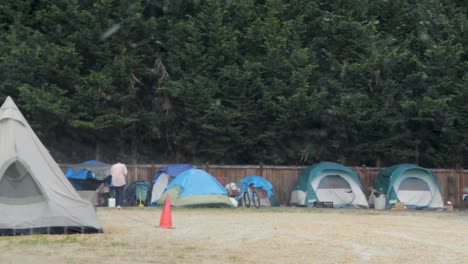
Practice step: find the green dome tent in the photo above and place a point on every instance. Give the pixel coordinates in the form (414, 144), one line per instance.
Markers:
(415, 186)
(328, 182)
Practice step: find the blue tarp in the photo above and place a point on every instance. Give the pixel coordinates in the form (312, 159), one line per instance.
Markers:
(197, 182)
(77, 173)
(257, 182)
(172, 169)
(88, 175)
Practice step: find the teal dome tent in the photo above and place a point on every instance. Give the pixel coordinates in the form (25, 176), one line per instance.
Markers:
(328, 182)
(415, 186)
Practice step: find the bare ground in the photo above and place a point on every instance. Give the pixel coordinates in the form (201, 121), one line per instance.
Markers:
(284, 235)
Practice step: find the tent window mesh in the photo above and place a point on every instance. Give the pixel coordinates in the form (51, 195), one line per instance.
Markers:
(17, 186)
(414, 184)
(334, 182)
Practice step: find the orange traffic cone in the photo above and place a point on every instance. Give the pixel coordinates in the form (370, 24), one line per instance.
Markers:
(166, 216)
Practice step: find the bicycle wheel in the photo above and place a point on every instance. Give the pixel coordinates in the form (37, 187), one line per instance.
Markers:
(256, 199)
(246, 199)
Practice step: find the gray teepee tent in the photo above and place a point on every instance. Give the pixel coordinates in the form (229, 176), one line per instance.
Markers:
(35, 196)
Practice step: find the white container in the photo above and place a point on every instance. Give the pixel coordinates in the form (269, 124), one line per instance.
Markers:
(380, 202)
(234, 202)
(111, 202)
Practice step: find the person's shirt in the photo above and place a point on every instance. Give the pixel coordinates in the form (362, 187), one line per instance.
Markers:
(118, 173)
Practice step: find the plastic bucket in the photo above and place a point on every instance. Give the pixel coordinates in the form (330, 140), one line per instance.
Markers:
(111, 202)
(380, 202)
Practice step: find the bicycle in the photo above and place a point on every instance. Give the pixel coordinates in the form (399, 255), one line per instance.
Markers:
(254, 195)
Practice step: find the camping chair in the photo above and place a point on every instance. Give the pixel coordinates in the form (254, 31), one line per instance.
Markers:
(137, 191)
(141, 192)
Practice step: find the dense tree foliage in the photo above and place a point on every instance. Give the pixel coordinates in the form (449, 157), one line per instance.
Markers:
(248, 81)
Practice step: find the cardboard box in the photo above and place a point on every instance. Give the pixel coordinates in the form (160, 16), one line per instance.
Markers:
(449, 207)
(399, 206)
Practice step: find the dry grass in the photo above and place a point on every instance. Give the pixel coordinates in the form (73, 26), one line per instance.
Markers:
(284, 235)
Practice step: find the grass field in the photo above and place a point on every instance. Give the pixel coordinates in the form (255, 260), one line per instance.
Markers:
(283, 235)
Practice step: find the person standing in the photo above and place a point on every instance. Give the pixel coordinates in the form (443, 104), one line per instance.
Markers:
(119, 173)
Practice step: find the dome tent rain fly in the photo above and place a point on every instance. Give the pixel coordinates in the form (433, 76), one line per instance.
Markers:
(162, 178)
(328, 182)
(260, 182)
(88, 175)
(196, 188)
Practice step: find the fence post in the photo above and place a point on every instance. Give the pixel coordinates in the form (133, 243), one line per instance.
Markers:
(461, 186)
(366, 179)
(207, 166)
(261, 169)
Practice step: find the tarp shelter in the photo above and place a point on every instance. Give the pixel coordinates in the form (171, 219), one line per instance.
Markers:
(90, 178)
(259, 182)
(415, 186)
(88, 175)
(196, 188)
(35, 196)
(328, 182)
(91, 169)
(162, 178)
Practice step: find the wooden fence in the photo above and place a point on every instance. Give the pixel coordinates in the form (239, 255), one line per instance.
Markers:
(453, 183)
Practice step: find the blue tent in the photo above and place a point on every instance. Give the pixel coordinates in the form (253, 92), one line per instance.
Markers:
(195, 181)
(196, 187)
(257, 182)
(162, 178)
(172, 170)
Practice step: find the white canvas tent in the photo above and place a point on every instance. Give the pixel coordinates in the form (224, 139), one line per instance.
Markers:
(35, 196)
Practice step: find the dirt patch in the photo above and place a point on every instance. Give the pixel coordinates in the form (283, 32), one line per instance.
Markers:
(285, 235)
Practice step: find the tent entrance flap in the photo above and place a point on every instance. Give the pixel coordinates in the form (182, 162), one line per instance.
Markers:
(333, 188)
(159, 187)
(17, 185)
(414, 191)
